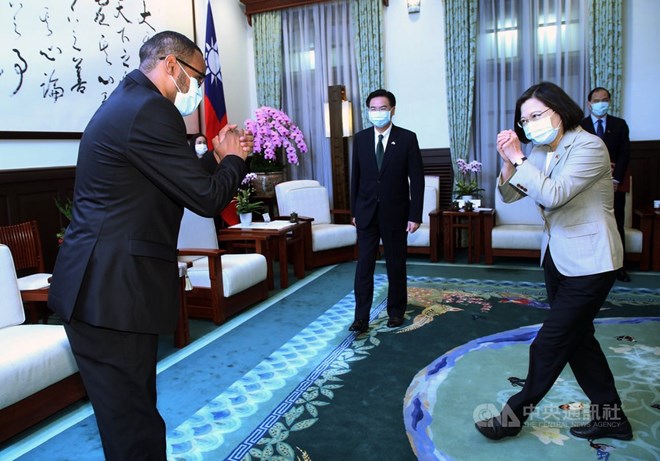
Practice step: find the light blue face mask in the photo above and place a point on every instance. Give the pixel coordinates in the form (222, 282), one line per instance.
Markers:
(380, 118)
(188, 102)
(541, 132)
(600, 108)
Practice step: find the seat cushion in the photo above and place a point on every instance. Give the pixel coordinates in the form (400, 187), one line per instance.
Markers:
(239, 272)
(421, 237)
(517, 237)
(11, 310)
(33, 358)
(329, 236)
(634, 238)
(34, 281)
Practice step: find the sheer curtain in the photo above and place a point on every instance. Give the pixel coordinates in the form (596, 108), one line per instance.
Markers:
(318, 52)
(520, 43)
(607, 49)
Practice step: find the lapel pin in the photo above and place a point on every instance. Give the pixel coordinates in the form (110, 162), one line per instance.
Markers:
(393, 143)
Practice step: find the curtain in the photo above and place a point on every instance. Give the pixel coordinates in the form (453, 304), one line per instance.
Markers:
(520, 43)
(267, 31)
(460, 52)
(318, 52)
(368, 40)
(606, 48)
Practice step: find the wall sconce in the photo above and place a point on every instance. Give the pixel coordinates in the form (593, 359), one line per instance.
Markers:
(413, 6)
(346, 119)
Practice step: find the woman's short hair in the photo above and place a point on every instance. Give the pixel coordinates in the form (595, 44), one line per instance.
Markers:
(556, 99)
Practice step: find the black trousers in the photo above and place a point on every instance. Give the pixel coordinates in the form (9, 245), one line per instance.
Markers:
(567, 336)
(395, 246)
(119, 372)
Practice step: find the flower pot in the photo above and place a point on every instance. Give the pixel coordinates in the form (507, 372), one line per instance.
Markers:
(264, 184)
(246, 218)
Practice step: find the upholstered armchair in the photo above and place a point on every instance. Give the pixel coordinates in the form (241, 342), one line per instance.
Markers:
(38, 374)
(425, 239)
(222, 284)
(325, 242)
(516, 229)
(24, 242)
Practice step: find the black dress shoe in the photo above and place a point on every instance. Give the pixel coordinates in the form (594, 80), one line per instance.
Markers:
(599, 429)
(394, 322)
(492, 428)
(359, 325)
(622, 275)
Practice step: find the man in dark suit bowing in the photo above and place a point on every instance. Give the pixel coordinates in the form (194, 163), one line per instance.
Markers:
(615, 133)
(115, 283)
(387, 186)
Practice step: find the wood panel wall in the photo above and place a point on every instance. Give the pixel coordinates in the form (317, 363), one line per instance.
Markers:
(31, 193)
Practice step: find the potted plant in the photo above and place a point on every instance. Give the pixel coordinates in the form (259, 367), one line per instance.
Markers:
(244, 205)
(66, 209)
(467, 185)
(277, 142)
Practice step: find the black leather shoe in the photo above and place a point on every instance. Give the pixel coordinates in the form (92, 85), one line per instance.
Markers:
(492, 428)
(359, 325)
(394, 322)
(622, 275)
(599, 429)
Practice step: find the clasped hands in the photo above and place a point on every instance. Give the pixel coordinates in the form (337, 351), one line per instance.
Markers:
(508, 146)
(232, 141)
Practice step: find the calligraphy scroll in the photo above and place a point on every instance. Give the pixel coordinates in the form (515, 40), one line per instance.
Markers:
(60, 60)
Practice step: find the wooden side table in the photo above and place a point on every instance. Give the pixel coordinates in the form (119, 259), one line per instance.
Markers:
(453, 223)
(273, 237)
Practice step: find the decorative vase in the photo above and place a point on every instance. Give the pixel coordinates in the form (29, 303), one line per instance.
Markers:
(466, 198)
(246, 218)
(264, 184)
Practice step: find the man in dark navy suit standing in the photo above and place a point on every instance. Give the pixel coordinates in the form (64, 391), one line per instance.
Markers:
(615, 133)
(387, 186)
(115, 283)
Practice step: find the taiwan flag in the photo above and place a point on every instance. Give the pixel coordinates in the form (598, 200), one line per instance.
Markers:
(215, 111)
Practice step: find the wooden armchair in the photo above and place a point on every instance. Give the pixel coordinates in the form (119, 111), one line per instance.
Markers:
(325, 242)
(222, 284)
(24, 242)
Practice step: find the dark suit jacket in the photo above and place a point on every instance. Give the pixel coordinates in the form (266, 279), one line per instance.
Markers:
(617, 140)
(389, 191)
(117, 267)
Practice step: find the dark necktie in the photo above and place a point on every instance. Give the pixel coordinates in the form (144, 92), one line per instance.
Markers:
(380, 151)
(599, 129)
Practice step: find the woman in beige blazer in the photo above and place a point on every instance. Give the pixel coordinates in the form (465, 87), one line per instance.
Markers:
(568, 175)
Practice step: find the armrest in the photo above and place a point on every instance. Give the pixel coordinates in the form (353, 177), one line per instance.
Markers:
(209, 252)
(286, 218)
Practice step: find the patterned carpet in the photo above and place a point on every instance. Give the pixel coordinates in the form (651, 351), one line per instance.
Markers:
(322, 393)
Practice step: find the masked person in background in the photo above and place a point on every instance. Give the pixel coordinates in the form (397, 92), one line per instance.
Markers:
(115, 283)
(615, 133)
(387, 186)
(568, 176)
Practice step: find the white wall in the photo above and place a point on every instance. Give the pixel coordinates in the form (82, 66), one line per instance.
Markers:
(414, 72)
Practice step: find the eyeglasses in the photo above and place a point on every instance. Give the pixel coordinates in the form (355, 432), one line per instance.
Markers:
(532, 118)
(200, 80)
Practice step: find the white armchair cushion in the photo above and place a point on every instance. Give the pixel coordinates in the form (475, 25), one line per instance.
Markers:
(328, 236)
(282, 189)
(239, 272)
(310, 201)
(11, 311)
(33, 358)
(517, 236)
(431, 198)
(34, 281)
(634, 239)
(523, 211)
(421, 237)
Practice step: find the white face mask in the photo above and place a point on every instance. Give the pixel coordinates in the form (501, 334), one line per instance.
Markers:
(188, 102)
(201, 149)
(541, 131)
(379, 118)
(600, 108)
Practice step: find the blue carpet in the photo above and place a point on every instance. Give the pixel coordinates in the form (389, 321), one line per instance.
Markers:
(229, 394)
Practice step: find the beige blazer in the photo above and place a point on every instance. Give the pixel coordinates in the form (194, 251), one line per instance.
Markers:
(576, 201)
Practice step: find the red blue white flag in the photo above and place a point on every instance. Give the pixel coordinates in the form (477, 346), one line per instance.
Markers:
(215, 111)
